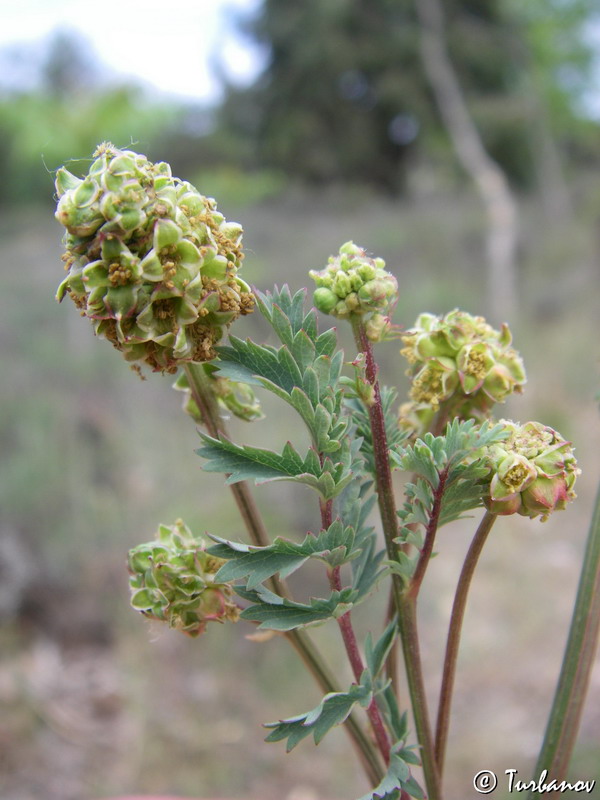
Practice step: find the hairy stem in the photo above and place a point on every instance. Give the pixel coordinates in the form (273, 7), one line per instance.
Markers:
(299, 639)
(405, 603)
(578, 661)
(454, 631)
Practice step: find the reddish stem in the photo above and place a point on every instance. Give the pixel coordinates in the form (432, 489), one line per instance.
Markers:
(356, 662)
(351, 645)
(427, 549)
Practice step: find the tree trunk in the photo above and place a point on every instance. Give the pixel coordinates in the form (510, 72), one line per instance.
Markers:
(500, 206)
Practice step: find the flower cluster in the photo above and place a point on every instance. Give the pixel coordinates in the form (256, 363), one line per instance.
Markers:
(354, 284)
(173, 580)
(532, 472)
(461, 361)
(149, 260)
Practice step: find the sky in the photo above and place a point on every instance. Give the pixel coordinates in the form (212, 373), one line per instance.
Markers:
(173, 46)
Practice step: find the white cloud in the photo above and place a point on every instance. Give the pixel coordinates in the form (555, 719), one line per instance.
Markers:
(167, 43)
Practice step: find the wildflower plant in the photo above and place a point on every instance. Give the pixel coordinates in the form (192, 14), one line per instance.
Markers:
(154, 266)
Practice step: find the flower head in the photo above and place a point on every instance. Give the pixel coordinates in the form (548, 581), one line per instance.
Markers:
(173, 580)
(149, 259)
(353, 284)
(460, 359)
(532, 472)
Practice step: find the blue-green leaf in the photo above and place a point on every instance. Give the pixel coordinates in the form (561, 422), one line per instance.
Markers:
(376, 655)
(331, 711)
(334, 546)
(397, 777)
(280, 614)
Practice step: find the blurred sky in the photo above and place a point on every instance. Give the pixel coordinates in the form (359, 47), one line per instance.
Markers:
(175, 46)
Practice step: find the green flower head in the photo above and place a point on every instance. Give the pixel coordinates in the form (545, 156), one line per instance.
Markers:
(173, 580)
(460, 360)
(150, 261)
(352, 284)
(531, 473)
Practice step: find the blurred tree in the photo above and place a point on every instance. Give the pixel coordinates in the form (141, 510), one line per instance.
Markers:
(488, 177)
(344, 95)
(557, 77)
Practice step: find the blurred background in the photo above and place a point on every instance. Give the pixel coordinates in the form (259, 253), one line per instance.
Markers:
(467, 154)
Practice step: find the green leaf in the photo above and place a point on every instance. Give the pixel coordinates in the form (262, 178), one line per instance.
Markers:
(454, 455)
(303, 350)
(397, 777)
(334, 546)
(376, 655)
(331, 711)
(280, 614)
(397, 722)
(242, 462)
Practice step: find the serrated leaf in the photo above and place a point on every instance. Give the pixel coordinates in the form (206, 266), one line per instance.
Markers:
(282, 325)
(334, 546)
(237, 372)
(286, 615)
(326, 343)
(242, 462)
(261, 361)
(303, 350)
(259, 566)
(331, 711)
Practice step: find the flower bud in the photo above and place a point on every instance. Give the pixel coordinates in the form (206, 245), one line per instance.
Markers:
(149, 259)
(531, 473)
(173, 580)
(352, 284)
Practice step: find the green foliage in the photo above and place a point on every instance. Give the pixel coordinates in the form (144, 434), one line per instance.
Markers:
(354, 505)
(280, 614)
(333, 546)
(331, 711)
(41, 132)
(452, 458)
(304, 371)
(243, 462)
(375, 655)
(397, 777)
(396, 437)
(74, 108)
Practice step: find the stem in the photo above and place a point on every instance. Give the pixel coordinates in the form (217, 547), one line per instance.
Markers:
(454, 631)
(578, 661)
(407, 624)
(351, 644)
(405, 603)
(356, 662)
(383, 472)
(427, 549)
(304, 646)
